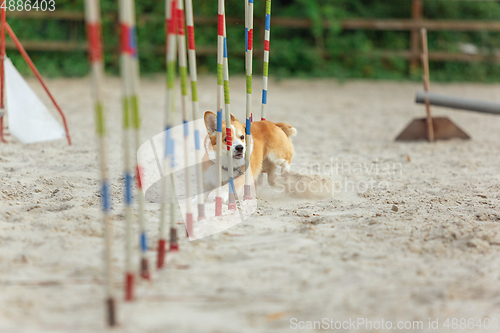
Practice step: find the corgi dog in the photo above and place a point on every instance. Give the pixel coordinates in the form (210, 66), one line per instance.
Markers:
(270, 149)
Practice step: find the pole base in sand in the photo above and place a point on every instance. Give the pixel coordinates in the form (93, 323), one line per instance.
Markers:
(110, 305)
(201, 212)
(218, 206)
(444, 129)
(2, 139)
(232, 202)
(189, 224)
(129, 286)
(174, 246)
(161, 254)
(247, 194)
(145, 269)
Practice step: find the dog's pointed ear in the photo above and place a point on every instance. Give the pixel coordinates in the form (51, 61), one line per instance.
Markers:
(233, 118)
(211, 122)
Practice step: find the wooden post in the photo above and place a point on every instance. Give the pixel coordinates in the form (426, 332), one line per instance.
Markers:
(416, 14)
(426, 80)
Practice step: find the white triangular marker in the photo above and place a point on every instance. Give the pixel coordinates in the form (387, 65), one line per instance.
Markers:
(29, 120)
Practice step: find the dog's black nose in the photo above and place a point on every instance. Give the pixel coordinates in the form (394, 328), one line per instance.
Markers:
(239, 148)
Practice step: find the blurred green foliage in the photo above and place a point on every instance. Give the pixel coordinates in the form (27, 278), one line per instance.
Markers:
(316, 52)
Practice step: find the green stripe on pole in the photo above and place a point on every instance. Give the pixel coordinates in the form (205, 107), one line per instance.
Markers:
(100, 119)
(126, 113)
(226, 92)
(249, 84)
(266, 68)
(194, 91)
(268, 7)
(136, 116)
(183, 74)
(171, 75)
(219, 75)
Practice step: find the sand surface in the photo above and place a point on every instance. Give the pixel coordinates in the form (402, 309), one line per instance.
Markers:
(422, 241)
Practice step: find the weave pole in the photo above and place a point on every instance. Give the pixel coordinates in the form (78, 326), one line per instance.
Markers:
(229, 136)
(169, 158)
(93, 22)
(265, 80)
(194, 98)
(220, 98)
(133, 76)
(127, 150)
(427, 84)
(248, 60)
(181, 40)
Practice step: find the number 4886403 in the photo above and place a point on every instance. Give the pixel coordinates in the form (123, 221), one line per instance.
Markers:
(29, 5)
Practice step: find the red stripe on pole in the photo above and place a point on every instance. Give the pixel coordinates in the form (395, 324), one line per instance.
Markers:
(180, 21)
(95, 41)
(190, 29)
(266, 45)
(250, 39)
(172, 24)
(139, 177)
(124, 38)
(221, 25)
(229, 138)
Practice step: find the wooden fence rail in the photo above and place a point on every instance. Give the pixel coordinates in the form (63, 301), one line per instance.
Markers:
(411, 25)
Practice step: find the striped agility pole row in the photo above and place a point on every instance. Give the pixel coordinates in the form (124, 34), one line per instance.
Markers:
(220, 98)
(128, 170)
(133, 68)
(229, 136)
(248, 57)
(181, 40)
(267, 37)
(169, 158)
(194, 97)
(93, 22)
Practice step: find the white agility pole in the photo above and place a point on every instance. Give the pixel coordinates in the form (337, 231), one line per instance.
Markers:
(229, 136)
(194, 97)
(249, 59)
(93, 22)
(127, 149)
(220, 98)
(265, 80)
(181, 40)
(169, 158)
(132, 67)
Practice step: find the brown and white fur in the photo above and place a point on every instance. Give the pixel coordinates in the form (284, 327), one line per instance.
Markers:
(271, 148)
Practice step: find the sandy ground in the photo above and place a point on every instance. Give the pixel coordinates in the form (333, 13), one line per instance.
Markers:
(421, 242)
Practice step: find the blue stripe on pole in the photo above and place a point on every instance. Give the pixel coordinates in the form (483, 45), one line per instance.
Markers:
(172, 162)
(105, 197)
(128, 189)
(169, 143)
(219, 121)
(186, 128)
(268, 22)
(144, 244)
(264, 96)
(248, 130)
(246, 39)
(250, 1)
(133, 41)
(231, 185)
(197, 139)
(225, 48)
